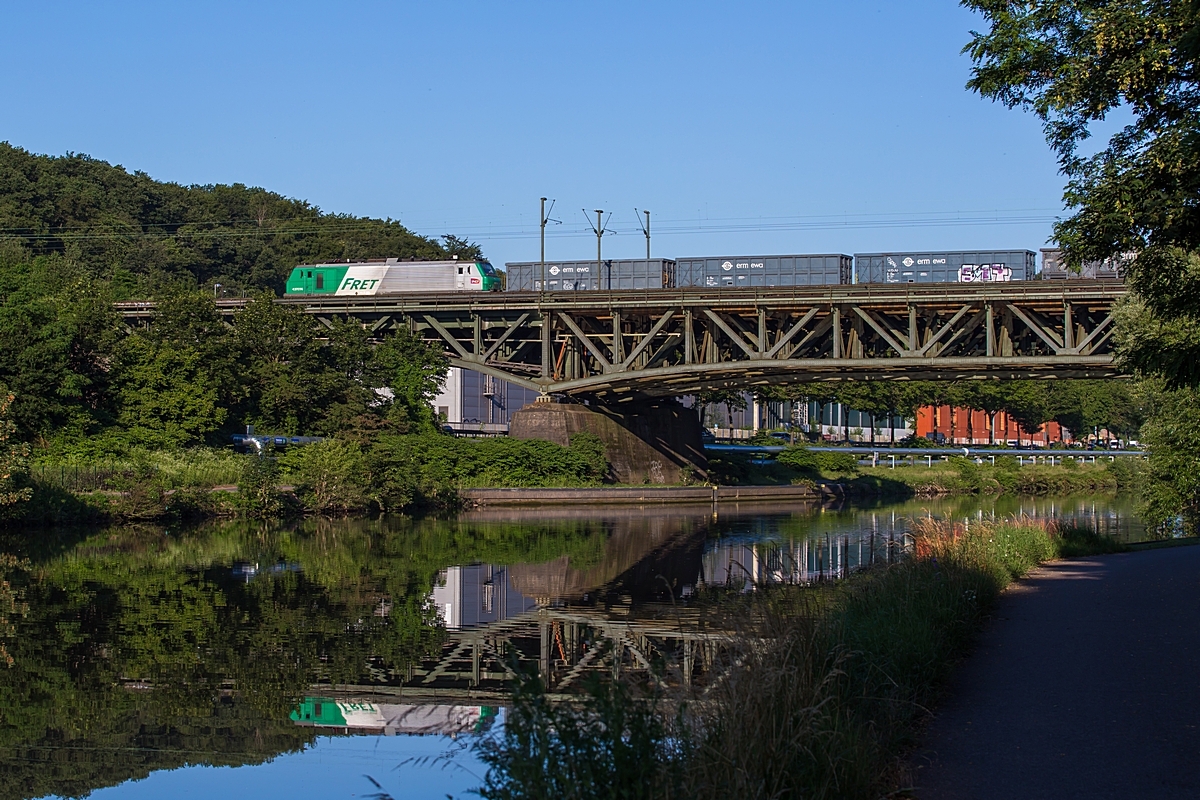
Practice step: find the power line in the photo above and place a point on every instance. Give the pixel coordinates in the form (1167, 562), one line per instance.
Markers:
(666, 228)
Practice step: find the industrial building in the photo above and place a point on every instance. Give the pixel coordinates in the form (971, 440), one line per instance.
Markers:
(472, 402)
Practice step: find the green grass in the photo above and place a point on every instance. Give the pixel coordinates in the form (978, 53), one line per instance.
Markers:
(962, 476)
(195, 467)
(956, 476)
(820, 694)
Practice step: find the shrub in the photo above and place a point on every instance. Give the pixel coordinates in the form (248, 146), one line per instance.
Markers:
(843, 463)
(969, 473)
(801, 459)
(614, 745)
(328, 476)
(914, 441)
(258, 492)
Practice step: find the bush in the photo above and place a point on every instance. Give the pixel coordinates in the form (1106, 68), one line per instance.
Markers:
(614, 745)
(801, 459)
(914, 441)
(838, 463)
(970, 475)
(328, 476)
(258, 492)
(429, 469)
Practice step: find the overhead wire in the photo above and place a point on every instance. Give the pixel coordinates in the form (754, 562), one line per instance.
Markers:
(209, 230)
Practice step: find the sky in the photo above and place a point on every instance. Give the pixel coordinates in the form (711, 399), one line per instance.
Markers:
(746, 128)
(333, 768)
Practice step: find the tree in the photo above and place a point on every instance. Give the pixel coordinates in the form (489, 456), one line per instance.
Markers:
(463, 249)
(935, 394)
(166, 396)
(733, 399)
(1073, 63)
(989, 397)
(58, 329)
(14, 458)
(414, 371)
(1029, 403)
(145, 236)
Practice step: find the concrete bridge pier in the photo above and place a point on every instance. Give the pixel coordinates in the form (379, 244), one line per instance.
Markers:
(645, 442)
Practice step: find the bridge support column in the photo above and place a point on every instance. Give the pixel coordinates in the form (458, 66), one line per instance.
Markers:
(651, 442)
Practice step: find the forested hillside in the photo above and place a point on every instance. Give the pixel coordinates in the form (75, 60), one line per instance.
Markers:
(139, 235)
(77, 234)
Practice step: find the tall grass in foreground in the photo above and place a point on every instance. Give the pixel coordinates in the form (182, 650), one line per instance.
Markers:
(817, 698)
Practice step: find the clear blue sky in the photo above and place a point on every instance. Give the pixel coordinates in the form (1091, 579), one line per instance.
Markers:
(846, 123)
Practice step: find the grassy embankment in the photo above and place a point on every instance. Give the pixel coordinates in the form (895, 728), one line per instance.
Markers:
(422, 472)
(955, 476)
(821, 693)
(389, 474)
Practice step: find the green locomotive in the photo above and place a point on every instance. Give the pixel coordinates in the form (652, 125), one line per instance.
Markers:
(392, 276)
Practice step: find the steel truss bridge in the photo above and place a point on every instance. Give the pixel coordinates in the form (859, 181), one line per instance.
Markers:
(618, 346)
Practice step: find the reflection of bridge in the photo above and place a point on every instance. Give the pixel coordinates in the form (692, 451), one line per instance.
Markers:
(625, 613)
(620, 345)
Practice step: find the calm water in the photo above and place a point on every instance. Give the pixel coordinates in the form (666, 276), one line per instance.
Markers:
(258, 660)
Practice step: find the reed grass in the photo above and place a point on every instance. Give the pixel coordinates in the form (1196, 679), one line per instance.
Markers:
(818, 694)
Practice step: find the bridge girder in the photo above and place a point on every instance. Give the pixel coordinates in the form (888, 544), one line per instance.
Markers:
(620, 346)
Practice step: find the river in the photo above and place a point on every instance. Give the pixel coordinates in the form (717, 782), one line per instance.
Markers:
(246, 659)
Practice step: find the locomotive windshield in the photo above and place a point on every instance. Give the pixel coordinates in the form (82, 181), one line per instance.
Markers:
(486, 268)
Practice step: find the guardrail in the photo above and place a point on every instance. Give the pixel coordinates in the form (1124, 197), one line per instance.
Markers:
(915, 455)
(933, 451)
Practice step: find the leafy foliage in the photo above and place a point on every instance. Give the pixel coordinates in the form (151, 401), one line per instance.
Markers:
(142, 236)
(328, 476)
(14, 459)
(614, 746)
(812, 463)
(1074, 64)
(428, 469)
(103, 618)
(1171, 494)
(80, 234)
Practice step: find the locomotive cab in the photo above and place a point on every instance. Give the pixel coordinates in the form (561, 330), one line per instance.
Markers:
(313, 280)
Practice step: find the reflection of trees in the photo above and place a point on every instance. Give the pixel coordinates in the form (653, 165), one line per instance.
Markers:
(145, 651)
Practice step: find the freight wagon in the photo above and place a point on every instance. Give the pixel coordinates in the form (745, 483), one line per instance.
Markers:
(574, 276)
(392, 276)
(1110, 269)
(741, 271)
(977, 266)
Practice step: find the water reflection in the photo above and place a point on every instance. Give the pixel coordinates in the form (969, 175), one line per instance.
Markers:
(390, 719)
(146, 650)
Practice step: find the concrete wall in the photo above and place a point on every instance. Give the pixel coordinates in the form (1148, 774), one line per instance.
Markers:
(658, 444)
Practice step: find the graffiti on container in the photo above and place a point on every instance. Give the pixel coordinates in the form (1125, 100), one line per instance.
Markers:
(984, 273)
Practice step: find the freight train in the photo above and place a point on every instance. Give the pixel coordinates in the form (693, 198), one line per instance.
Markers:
(392, 276)
(715, 272)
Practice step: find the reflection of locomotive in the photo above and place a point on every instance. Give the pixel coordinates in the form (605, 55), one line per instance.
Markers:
(392, 276)
(366, 717)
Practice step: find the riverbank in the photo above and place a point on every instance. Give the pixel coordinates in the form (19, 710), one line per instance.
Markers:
(818, 698)
(957, 475)
(336, 478)
(652, 495)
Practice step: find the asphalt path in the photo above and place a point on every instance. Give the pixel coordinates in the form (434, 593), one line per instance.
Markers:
(1086, 683)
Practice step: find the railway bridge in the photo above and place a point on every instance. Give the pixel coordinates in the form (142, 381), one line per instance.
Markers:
(626, 345)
